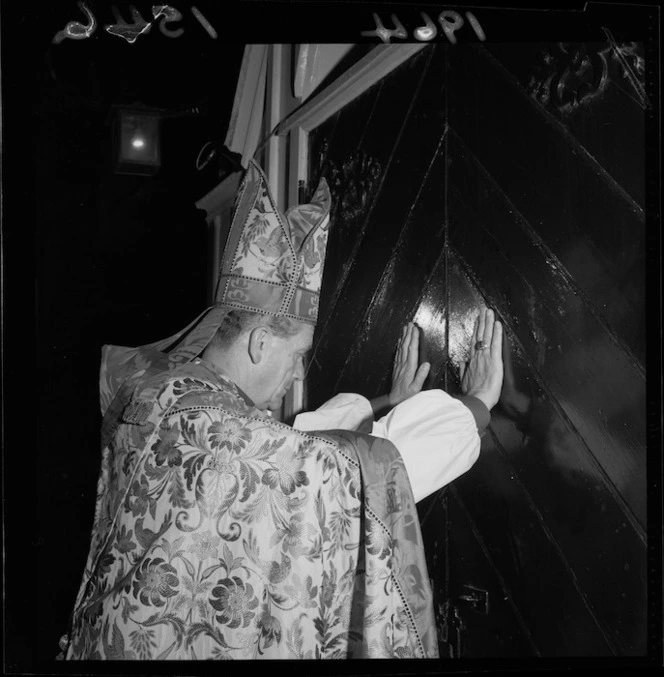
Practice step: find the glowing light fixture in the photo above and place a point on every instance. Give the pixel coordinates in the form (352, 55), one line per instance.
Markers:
(137, 140)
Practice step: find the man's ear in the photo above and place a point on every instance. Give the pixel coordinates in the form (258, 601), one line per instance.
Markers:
(258, 343)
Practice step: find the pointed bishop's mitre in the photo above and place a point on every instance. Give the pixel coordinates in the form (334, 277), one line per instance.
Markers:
(273, 262)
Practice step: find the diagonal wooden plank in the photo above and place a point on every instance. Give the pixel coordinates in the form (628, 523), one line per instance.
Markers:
(412, 260)
(594, 229)
(584, 517)
(352, 281)
(619, 157)
(569, 349)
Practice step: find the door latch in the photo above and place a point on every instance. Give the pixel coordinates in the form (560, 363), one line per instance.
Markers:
(450, 629)
(474, 598)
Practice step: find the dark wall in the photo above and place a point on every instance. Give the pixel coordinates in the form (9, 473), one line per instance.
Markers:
(122, 261)
(473, 175)
(92, 257)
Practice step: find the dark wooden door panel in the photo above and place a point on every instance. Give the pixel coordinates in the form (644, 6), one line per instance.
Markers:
(573, 354)
(536, 577)
(412, 260)
(334, 152)
(591, 228)
(503, 632)
(405, 169)
(460, 555)
(580, 84)
(352, 150)
(534, 465)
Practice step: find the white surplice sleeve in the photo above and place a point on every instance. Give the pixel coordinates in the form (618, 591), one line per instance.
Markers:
(436, 435)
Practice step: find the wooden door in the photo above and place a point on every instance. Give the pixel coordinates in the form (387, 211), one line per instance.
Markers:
(546, 224)
(474, 176)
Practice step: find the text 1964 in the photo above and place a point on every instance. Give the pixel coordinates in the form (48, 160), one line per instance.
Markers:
(449, 21)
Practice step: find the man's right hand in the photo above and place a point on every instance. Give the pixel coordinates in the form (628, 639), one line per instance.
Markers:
(408, 375)
(483, 375)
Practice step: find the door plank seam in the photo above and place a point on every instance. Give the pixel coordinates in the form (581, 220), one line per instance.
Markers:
(360, 237)
(611, 488)
(549, 255)
(562, 129)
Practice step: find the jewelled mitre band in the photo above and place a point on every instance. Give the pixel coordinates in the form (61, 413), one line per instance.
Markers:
(273, 263)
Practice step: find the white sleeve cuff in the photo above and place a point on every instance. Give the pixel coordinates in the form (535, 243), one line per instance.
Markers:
(345, 411)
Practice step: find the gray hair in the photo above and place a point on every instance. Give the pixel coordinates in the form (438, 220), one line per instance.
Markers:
(237, 322)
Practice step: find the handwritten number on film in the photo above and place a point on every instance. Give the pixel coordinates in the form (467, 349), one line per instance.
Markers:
(449, 21)
(130, 31)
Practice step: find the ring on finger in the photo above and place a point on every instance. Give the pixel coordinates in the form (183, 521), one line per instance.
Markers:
(481, 345)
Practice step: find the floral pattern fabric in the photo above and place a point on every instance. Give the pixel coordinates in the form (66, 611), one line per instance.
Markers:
(220, 533)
